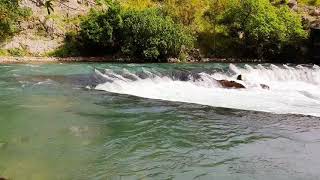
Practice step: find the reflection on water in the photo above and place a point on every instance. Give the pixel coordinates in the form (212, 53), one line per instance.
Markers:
(61, 130)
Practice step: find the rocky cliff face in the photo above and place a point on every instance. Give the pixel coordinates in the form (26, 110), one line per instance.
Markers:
(310, 14)
(42, 32)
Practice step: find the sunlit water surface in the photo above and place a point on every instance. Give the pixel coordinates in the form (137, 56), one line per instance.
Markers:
(159, 121)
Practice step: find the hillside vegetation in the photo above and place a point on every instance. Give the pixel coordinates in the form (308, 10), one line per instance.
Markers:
(159, 30)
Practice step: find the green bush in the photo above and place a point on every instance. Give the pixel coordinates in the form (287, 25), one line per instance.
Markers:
(229, 28)
(265, 29)
(18, 52)
(100, 28)
(3, 52)
(10, 16)
(70, 47)
(149, 35)
(146, 34)
(310, 2)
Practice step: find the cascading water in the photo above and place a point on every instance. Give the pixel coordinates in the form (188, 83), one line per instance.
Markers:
(292, 89)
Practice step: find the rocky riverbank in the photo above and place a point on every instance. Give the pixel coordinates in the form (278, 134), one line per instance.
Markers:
(31, 60)
(25, 60)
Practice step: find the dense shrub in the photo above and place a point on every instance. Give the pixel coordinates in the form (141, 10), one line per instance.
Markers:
(10, 16)
(71, 47)
(100, 28)
(137, 5)
(154, 30)
(149, 35)
(186, 12)
(310, 2)
(263, 28)
(143, 34)
(214, 40)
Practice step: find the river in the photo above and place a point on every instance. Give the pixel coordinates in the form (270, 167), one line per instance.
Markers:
(159, 121)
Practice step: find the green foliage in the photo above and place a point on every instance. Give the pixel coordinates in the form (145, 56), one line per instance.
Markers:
(214, 15)
(146, 34)
(69, 48)
(149, 35)
(137, 5)
(10, 16)
(18, 52)
(266, 29)
(218, 44)
(3, 52)
(187, 12)
(310, 2)
(98, 31)
(154, 30)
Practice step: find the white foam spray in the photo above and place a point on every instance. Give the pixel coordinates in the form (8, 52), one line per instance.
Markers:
(292, 89)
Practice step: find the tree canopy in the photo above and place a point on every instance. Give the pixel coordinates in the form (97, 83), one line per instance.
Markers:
(11, 14)
(265, 28)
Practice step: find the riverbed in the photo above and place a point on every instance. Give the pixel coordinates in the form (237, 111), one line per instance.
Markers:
(159, 121)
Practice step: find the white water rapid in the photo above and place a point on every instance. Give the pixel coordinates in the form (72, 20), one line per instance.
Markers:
(293, 90)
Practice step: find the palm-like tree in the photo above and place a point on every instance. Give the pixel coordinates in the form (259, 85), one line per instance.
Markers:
(48, 4)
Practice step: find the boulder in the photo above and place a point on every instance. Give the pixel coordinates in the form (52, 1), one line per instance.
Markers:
(173, 60)
(292, 3)
(315, 12)
(263, 86)
(230, 84)
(194, 55)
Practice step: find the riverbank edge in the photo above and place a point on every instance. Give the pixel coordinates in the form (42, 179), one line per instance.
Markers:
(28, 60)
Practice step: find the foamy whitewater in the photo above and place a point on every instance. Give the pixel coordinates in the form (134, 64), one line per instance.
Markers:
(293, 90)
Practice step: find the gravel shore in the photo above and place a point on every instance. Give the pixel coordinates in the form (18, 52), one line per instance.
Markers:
(24, 60)
(30, 60)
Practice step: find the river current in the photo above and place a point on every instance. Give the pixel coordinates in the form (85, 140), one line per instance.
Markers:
(159, 121)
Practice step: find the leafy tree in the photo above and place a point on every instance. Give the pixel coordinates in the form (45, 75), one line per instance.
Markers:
(146, 34)
(265, 29)
(187, 12)
(149, 35)
(137, 5)
(100, 28)
(11, 14)
(310, 2)
(214, 14)
(49, 6)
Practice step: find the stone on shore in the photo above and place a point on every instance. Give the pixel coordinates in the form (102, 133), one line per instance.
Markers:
(292, 3)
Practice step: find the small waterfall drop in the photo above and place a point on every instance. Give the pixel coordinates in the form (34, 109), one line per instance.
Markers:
(292, 89)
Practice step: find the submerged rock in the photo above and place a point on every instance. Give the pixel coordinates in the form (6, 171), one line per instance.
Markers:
(263, 86)
(78, 131)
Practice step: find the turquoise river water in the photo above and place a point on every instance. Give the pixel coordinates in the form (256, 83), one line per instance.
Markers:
(159, 121)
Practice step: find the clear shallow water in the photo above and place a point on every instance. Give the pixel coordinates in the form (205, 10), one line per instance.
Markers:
(55, 124)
